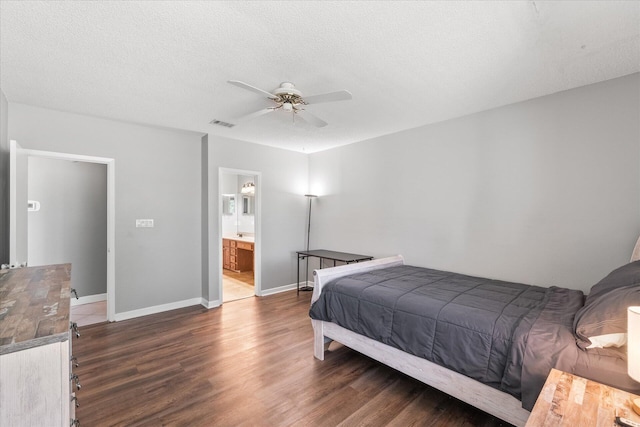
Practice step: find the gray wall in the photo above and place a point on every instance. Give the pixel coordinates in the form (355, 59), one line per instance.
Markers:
(71, 225)
(544, 192)
(282, 188)
(204, 216)
(157, 175)
(4, 179)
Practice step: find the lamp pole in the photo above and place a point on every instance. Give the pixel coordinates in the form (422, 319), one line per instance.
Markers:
(310, 197)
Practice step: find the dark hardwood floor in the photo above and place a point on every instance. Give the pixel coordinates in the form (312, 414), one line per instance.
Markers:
(247, 363)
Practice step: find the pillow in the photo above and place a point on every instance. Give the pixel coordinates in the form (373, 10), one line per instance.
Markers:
(608, 340)
(604, 314)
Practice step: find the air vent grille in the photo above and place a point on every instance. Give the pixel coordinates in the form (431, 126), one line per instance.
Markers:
(221, 123)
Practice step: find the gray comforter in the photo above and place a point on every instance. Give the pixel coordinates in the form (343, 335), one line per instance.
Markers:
(506, 335)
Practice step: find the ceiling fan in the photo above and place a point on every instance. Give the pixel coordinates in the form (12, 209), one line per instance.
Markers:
(288, 98)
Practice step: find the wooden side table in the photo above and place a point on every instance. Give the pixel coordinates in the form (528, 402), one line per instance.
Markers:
(569, 400)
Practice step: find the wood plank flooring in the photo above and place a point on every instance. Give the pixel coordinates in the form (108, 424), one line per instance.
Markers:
(237, 285)
(247, 363)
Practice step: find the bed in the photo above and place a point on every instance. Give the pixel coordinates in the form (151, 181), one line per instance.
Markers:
(487, 342)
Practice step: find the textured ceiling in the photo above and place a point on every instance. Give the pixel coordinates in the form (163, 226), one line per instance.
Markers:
(407, 64)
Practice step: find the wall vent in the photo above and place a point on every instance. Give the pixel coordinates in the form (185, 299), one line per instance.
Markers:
(221, 123)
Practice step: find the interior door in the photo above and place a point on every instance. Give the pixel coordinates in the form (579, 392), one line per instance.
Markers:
(18, 173)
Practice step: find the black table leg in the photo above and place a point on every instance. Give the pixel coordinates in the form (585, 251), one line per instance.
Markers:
(306, 275)
(298, 276)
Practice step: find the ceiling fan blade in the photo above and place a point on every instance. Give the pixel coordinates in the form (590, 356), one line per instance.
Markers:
(314, 120)
(252, 89)
(254, 114)
(341, 95)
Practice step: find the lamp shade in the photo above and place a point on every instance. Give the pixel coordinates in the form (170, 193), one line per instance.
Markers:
(633, 342)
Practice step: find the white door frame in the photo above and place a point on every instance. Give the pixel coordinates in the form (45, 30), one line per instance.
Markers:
(111, 210)
(257, 252)
(17, 220)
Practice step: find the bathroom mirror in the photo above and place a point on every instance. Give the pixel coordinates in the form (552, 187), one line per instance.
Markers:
(247, 205)
(228, 204)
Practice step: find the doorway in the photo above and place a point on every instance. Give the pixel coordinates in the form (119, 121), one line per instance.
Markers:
(19, 235)
(239, 229)
(67, 223)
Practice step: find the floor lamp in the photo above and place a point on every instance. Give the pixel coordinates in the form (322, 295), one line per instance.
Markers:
(307, 287)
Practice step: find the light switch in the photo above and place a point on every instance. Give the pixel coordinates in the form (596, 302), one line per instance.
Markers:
(144, 223)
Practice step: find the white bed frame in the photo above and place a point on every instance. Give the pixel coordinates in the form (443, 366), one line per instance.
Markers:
(483, 397)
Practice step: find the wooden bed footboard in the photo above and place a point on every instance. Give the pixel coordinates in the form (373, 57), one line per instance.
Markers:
(322, 276)
(481, 396)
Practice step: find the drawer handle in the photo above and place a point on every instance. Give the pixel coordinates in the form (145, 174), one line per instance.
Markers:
(74, 327)
(74, 377)
(77, 403)
(74, 360)
(73, 291)
(75, 422)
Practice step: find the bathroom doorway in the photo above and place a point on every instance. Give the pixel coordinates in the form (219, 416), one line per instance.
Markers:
(238, 220)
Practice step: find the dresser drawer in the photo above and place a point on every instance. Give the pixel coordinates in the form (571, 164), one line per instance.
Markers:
(245, 245)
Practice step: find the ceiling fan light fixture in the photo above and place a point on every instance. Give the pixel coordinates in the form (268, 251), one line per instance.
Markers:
(288, 98)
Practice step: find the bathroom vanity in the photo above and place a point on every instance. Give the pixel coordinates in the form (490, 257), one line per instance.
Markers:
(237, 254)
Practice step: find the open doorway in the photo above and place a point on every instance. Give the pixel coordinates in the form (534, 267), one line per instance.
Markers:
(19, 195)
(239, 214)
(67, 223)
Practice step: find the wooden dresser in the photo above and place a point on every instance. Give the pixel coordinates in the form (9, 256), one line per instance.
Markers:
(237, 255)
(35, 347)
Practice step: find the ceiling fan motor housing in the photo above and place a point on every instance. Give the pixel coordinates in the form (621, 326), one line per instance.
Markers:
(288, 94)
(287, 88)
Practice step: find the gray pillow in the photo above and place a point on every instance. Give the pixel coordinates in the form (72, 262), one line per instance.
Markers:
(605, 309)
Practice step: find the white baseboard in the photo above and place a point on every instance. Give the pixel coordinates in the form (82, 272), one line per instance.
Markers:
(210, 304)
(193, 301)
(157, 309)
(284, 288)
(87, 299)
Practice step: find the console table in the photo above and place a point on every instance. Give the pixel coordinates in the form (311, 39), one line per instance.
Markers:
(330, 255)
(569, 400)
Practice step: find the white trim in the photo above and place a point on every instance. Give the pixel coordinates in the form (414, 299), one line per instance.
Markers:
(157, 309)
(209, 304)
(89, 299)
(111, 215)
(257, 241)
(13, 164)
(66, 156)
(285, 288)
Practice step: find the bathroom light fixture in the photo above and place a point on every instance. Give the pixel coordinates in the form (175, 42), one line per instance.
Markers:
(248, 188)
